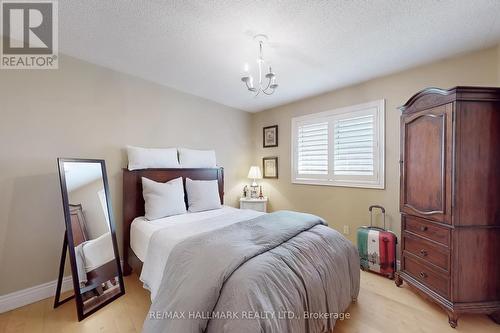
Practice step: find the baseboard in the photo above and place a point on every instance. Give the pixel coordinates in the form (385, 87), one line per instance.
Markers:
(34, 294)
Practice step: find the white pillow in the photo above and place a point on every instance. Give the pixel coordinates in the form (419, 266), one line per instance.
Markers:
(202, 195)
(190, 158)
(150, 158)
(163, 199)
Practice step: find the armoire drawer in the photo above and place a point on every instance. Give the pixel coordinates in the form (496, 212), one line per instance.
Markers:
(426, 229)
(431, 252)
(426, 275)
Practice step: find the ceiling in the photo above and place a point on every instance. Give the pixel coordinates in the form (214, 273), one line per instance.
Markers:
(200, 47)
(79, 174)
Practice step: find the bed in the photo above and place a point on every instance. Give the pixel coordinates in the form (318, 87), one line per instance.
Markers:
(231, 270)
(93, 256)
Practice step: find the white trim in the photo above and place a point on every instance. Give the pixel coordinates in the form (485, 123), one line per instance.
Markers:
(329, 180)
(346, 109)
(34, 294)
(320, 182)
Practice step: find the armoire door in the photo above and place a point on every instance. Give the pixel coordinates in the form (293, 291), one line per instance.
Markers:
(426, 161)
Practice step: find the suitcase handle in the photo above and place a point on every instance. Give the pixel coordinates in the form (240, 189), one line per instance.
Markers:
(376, 206)
(370, 209)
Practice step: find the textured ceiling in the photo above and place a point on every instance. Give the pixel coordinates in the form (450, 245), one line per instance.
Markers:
(200, 46)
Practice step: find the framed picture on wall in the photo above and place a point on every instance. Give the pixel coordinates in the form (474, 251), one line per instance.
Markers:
(270, 167)
(270, 136)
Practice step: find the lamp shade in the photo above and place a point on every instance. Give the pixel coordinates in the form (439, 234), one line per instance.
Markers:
(254, 173)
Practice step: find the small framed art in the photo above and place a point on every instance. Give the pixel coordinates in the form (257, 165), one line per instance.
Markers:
(270, 136)
(270, 167)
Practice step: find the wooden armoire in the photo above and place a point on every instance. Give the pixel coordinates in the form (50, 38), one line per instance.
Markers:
(450, 199)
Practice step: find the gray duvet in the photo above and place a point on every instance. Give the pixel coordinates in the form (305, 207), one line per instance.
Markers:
(280, 272)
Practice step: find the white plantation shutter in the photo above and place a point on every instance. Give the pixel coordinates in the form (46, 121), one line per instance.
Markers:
(312, 149)
(343, 147)
(354, 146)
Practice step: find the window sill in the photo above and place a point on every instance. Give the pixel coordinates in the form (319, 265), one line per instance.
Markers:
(376, 186)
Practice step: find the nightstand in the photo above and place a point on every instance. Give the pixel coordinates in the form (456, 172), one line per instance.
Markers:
(258, 204)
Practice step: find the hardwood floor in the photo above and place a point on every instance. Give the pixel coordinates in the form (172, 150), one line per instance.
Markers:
(381, 307)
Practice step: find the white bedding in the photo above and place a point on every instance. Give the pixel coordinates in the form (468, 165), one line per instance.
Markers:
(142, 229)
(98, 252)
(181, 227)
(93, 254)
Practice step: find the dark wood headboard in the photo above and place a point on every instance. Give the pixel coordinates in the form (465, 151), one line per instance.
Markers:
(133, 201)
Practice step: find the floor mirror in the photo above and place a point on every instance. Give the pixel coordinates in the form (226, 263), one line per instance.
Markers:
(90, 236)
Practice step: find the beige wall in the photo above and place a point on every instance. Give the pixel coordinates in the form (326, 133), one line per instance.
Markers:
(349, 206)
(498, 63)
(82, 110)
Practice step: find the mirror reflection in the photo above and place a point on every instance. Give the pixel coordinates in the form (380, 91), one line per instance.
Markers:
(92, 238)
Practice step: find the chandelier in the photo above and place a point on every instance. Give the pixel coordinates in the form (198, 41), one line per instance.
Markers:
(270, 85)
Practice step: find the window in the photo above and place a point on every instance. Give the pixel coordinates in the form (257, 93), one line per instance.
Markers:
(104, 205)
(342, 147)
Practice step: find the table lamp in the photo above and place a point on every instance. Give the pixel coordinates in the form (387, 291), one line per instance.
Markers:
(254, 174)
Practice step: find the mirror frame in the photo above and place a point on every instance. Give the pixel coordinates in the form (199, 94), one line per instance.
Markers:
(69, 235)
